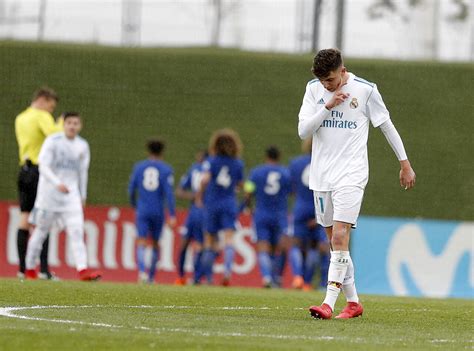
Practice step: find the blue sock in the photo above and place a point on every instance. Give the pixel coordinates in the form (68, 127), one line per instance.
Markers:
(207, 260)
(265, 263)
(228, 260)
(278, 262)
(296, 261)
(324, 268)
(281, 262)
(182, 257)
(141, 258)
(154, 261)
(311, 260)
(197, 266)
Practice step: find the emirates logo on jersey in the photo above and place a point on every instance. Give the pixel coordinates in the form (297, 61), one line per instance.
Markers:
(354, 103)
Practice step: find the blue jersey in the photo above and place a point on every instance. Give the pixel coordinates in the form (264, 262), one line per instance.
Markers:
(226, 173)
(152, 180)
(272, 187)
(192, 179)
(304, 202)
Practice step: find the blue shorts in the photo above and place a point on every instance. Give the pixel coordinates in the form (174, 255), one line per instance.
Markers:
(220, 218)
(270, 229)
(194, 227)
(149, 224)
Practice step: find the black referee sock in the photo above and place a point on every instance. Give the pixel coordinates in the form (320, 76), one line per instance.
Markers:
(22, 242)
(44, 256)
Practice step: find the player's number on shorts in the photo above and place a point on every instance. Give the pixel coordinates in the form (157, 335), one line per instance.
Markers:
(305, 176)
(151, 179)
(223, 178)
(273, 183)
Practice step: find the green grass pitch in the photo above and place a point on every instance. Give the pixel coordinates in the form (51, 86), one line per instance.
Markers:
(104, 316)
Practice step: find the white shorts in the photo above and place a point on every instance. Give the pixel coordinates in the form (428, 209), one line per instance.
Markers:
(46, 220)
(342, 205)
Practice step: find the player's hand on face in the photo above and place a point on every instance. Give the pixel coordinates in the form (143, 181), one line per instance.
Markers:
(62, 188)
(339, 96)
(407, 177)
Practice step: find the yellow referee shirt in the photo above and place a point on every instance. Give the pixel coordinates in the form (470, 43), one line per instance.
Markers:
(32, 126)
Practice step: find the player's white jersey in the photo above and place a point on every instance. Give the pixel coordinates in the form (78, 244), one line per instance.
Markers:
(62, 161)
(340, 143)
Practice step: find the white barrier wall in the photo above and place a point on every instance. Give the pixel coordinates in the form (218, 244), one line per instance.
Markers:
(435, 29)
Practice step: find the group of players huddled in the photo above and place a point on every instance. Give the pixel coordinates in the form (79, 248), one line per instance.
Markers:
(218, 192)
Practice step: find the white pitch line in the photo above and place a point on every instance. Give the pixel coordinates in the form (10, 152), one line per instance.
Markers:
(9, 313)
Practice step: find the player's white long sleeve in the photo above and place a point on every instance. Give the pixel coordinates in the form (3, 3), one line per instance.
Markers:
(394, 139)
(309, 123)
(83, 174)
(311, 115)
(48, 173)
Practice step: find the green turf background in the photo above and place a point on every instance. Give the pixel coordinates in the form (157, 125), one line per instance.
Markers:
(128, 95)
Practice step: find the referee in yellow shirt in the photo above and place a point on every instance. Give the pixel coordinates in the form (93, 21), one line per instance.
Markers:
(32, 126)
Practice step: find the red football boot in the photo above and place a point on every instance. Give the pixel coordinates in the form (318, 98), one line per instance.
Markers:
(225, 281)
(321, 312)
(88, 275)
(31, 274)
(297, 282)
(180, 281)
(352, 310)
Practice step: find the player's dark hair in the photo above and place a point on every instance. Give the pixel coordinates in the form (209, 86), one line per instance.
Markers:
(273, 153)
(45, 92)
(70, 114)
(325, 62)
(225, 142)
(155, 146)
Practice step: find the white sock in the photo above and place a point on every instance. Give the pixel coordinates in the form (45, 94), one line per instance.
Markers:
(348, 286)
(35, 244)
(337, 271)
(76, 234)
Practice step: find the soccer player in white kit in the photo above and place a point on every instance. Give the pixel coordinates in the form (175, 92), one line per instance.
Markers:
(62, 190)
(336, 111)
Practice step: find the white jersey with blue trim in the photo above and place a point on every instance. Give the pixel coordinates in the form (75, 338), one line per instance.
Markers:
(63, 161)
(339, 155)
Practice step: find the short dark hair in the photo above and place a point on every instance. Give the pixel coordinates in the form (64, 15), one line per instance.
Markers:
(155, 146)
(45, 92)
(325, 62)
(66, 115)
(273, 153)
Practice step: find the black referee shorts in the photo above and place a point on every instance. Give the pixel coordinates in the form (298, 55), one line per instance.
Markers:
(27, 185)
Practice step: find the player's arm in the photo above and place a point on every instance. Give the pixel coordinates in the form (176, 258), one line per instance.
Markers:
(46, 159)
(183, 191)
(249, 190)
(170, 200)
(84, 174)
(407, 175)
(310, 118)
(380, 117)
(205, 180)
(48, 125)
(132, 187)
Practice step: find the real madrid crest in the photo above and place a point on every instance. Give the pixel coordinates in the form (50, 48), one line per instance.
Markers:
(353, 104)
